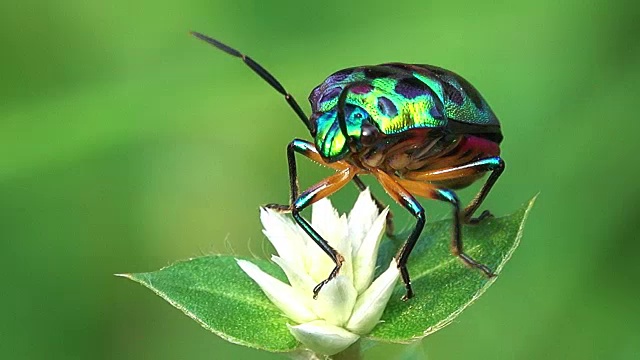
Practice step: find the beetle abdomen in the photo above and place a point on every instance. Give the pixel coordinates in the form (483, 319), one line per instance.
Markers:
(462, 101)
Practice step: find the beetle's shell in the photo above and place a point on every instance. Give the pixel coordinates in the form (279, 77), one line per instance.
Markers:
(398, 97)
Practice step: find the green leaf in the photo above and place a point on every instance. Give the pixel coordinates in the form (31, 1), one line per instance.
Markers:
(444, 287)
(215, 292)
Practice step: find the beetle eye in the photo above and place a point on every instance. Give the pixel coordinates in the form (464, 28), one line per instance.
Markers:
(368, 135)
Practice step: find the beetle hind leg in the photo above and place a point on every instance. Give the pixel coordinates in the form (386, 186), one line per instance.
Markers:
(496, 166)
(456, 239)
(477, 220)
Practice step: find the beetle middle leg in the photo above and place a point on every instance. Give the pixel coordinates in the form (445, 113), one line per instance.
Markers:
(431, 191)
(404, 198)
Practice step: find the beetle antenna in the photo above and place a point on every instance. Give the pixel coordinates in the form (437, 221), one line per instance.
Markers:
(258, 69)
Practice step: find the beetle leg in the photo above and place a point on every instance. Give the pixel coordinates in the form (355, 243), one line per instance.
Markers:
(309, 150)
(494, 164)
(404, 198)
(318, 191)
(390, 228)
(433, 192)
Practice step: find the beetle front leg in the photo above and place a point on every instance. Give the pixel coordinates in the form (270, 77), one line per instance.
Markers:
(321, 190)
(307, 149)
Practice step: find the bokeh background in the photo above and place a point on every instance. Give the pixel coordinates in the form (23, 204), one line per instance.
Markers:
(125, 145)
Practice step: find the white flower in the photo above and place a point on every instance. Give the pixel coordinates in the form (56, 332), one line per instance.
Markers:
(352, 303)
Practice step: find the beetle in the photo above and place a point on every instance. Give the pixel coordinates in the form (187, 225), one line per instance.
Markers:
(420, 130)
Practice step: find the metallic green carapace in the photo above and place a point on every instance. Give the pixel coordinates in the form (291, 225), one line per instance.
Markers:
(394, 98)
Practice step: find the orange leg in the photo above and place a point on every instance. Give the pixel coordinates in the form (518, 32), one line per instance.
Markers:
(404, 198)
(309, 150)
(494, 164)
(323, 189)
(318, 191)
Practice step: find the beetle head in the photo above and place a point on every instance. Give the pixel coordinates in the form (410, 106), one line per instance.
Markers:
(334, 141)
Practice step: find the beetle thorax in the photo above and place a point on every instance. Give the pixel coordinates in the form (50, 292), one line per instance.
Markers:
(399, 153)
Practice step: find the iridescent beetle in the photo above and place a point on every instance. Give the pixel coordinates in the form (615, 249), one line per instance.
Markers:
(418, 129)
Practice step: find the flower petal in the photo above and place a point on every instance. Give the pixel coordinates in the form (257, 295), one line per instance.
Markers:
(361, 217)
(334, 230)
(372, 302)
(285, 235)
(324, 218)
(289, 300)
(336, 300)
(322, 337)
(331, 226)
(299, 280)
(319, 263)
(364, 261)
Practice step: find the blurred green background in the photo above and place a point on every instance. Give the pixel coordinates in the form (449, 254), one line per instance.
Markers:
(126, 144)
